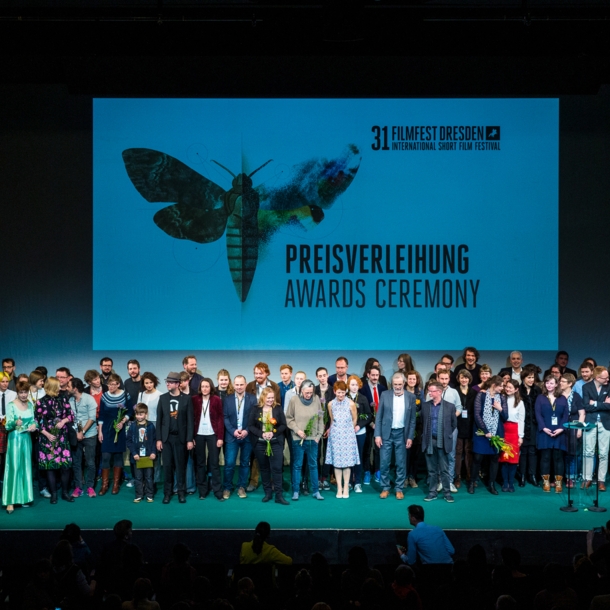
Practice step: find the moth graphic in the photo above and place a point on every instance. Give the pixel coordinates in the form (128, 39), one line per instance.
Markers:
(202, 210)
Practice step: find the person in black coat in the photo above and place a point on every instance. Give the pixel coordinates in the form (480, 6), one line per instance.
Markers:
(269, 444)
(174, 435)
(528, 456)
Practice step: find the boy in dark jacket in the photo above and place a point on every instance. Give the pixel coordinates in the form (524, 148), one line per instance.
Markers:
(141, 442)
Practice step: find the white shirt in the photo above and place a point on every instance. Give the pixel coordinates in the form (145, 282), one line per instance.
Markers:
(516, 414)
(398, 411)
(9, 395)
(516, 376)
(205, 425)
(151, 401)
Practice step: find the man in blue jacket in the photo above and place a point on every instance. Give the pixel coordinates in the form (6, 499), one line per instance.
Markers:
(236, 409)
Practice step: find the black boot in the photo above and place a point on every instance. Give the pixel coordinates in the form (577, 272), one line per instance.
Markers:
(305, 488)
(492, 489)
(66, 496)
(53, 497)
(279, 499)
(471, 487)
(521, 480)
(531, 479)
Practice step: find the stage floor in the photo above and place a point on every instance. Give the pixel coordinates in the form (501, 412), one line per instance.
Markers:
(528, 509)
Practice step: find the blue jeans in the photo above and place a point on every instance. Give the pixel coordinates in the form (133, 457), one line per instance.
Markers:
(311, 448)
(244, 449)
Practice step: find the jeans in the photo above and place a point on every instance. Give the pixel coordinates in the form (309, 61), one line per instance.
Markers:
(87, 448)
(602, 451)
(396, 441)
(437, 463)
(144, 482)
(244, 449)
(309, 447)
(451, 457)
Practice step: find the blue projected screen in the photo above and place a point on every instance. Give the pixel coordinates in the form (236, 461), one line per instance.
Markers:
(227, 224)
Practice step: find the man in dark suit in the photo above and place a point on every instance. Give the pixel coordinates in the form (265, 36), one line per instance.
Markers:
(395, 428)
(516, 367)
(175, 433)
(439, 422)
(561, 360)
(236, 408)
(596, 398)
(371, 389)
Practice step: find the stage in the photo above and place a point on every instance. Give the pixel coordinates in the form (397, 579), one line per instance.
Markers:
(527, 519)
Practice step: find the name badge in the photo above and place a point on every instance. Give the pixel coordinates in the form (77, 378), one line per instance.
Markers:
(142, 451)
(465, 414)
(553, 421)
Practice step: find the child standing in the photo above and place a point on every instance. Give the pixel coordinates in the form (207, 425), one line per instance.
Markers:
(141, 442)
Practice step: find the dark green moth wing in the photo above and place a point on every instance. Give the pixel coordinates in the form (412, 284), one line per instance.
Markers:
(199, 212)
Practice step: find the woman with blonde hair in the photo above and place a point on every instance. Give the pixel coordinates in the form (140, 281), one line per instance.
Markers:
(267, 425)
(53, 415)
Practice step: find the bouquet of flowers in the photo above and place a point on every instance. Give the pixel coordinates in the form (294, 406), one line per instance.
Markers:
(269, 426)
(500, 445)
(119, 418)
(310, 424)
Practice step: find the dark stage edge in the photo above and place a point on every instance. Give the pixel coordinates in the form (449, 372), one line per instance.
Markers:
(23, 547)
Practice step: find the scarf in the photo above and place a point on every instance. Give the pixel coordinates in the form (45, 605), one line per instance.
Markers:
(304, 401)
(491, 415)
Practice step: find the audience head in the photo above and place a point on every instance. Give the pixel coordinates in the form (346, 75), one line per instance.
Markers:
(123, 530)
(261, 533)
(62, 555)
(142, 589)
(416, 513)
(404, 576)
(357, 558)
(71, 533)
(506, 602)
(181, 553)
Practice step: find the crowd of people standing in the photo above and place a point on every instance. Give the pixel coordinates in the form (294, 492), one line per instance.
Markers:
(68, 434)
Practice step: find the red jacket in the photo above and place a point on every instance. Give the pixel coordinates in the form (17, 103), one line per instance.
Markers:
(216, 415)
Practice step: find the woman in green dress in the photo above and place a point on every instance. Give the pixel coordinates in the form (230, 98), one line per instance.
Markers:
(18, 488)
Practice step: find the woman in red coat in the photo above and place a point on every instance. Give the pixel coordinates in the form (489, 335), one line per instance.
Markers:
(209, 427)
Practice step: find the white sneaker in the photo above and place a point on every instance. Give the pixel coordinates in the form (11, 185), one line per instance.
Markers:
(130, 483)
(358, 488)
(453, 489)
(439, 487)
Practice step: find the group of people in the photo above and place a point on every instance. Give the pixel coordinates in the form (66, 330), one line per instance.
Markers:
(343, 430)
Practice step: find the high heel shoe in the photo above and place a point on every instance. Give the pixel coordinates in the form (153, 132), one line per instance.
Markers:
(67, 497)
(10, 509)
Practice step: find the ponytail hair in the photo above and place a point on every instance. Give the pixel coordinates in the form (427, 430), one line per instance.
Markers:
(261, 533)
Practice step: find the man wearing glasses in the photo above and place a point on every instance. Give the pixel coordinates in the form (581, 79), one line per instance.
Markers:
(439, 422)
(394, 429)
(175, 433)
(597, 407)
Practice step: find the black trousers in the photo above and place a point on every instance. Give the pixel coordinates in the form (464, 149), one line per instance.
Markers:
(270, 466)
(493, 466)
(527, 460)
(558, 462)
(174, 461)
(208, 455)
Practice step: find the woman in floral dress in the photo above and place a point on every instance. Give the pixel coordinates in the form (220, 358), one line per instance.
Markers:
(342, 450)
(53, 416)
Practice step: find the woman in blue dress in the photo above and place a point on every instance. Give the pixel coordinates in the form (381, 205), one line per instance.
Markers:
(115, 411)
(342, 450)
(490, 411)
(552, 412)
(18, 487)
